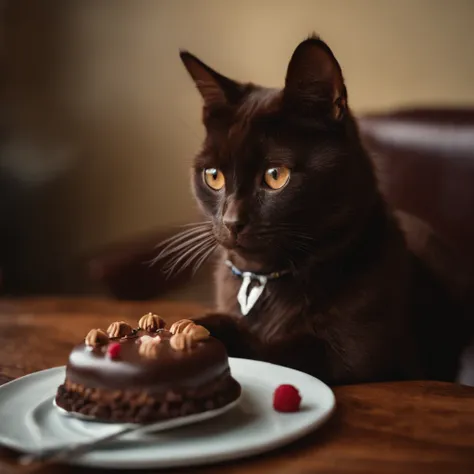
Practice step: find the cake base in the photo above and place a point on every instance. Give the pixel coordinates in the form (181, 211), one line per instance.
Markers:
(132, 406)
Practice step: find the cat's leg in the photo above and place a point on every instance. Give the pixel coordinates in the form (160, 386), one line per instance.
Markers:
(234, 333)
(307, 353)
(304, 352)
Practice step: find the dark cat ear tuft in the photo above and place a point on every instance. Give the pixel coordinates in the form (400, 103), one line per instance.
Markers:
(215, 89)
(314, 78)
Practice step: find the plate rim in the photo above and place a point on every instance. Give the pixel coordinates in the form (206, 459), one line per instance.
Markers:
(89, 460)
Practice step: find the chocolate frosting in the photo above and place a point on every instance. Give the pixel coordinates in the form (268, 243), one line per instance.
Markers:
(188, 369)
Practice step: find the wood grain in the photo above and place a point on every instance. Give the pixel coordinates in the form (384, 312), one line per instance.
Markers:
(410, 427)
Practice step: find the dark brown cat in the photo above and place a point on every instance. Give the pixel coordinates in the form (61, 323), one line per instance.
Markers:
(288, 187)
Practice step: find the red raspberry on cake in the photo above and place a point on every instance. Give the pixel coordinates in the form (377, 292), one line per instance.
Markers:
(113, 350)
(286, 399)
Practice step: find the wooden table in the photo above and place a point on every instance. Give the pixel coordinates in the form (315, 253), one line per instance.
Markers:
(413, 427)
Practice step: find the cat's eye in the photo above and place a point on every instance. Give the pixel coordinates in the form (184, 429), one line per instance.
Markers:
(276, 178)
(214, 178)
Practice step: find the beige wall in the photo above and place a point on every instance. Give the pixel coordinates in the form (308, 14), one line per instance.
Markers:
(135, 114)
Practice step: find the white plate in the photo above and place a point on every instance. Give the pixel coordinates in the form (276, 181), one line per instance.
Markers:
(29, 422)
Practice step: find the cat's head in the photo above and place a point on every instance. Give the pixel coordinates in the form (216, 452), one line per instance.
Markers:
(281, 174)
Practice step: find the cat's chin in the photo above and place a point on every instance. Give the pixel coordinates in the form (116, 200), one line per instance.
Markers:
(241, 251)
(238, 250)
(233, 245)
(254, 260)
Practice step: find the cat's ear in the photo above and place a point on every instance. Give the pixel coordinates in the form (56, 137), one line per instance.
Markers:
(314, 79)
(216, 90)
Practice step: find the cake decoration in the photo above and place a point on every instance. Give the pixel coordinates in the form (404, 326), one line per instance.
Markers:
(149, 348)
(197, 332)
(286, 399)
(119, 329)
(113, 350)
(181, 342)
(96, 337)
(149, 375)
(144, 339)
(180, 326)
(151, 322)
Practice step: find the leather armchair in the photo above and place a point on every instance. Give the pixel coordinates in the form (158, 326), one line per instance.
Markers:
(425, 159)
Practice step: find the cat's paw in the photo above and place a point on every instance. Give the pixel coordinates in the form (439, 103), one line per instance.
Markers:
(221, 326)
(230, 331)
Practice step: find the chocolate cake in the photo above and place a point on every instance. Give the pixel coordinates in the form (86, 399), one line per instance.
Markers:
(147, 373)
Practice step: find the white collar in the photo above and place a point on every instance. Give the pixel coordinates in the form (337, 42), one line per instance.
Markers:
(247, 299)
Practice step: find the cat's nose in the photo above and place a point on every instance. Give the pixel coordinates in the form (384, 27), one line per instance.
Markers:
(234, 226)
(232, 217)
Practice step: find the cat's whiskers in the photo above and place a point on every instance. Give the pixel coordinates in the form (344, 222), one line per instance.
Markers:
(293, 244)
(204, 257)
(182, 235)
(190, 255)
(182, 244)
(297, 238)
(175, 247)
(197, 224)
(299, 235)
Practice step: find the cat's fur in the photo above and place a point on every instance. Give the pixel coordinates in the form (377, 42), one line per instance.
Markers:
(357, 305)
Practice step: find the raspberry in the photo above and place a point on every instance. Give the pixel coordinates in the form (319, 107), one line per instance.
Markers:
(113, 350)
(286, 398)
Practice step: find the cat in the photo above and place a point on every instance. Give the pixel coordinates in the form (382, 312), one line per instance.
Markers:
(288, 187)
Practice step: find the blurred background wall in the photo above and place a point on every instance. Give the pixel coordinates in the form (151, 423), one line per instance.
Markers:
(100, 121)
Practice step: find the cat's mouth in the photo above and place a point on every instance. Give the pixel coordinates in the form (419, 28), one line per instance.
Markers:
(240, 245)
(244, 243)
